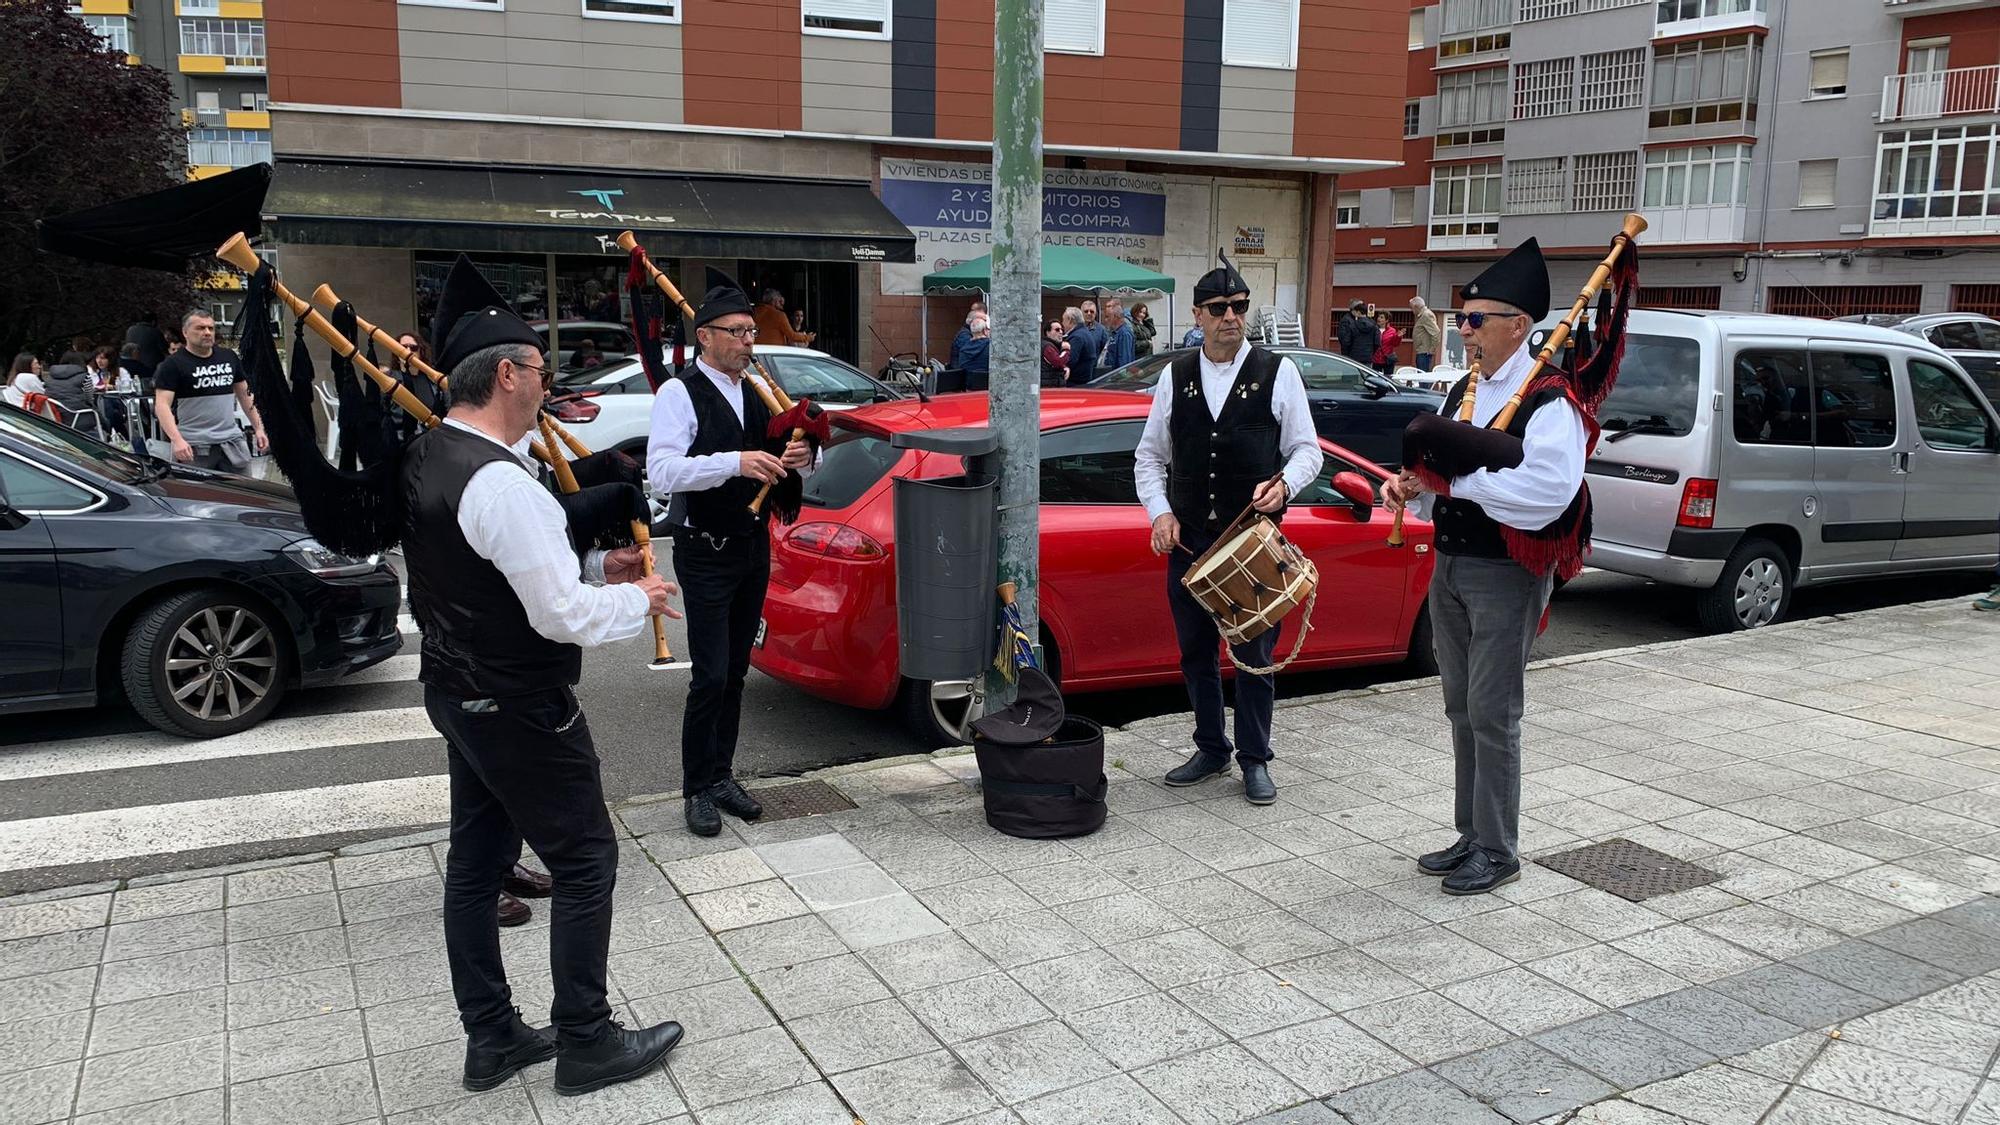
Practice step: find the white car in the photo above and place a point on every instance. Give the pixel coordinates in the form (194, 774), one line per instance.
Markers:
(611, 407)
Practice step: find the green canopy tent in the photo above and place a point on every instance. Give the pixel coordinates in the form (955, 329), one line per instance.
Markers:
(1065, 269)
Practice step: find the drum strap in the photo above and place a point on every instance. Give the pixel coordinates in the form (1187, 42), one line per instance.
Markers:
(1298, 643)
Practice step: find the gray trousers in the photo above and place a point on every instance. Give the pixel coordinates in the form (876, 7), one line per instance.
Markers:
(1484, 614)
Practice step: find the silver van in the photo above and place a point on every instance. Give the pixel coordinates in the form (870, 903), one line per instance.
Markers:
(1745, 455)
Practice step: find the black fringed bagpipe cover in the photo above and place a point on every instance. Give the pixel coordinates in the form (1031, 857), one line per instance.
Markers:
(1438, 448)
(359, 511)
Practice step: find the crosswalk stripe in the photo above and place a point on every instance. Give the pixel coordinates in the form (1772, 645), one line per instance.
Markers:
(52, 841)
(275, 736)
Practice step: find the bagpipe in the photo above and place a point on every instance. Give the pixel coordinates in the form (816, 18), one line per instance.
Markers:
(1438, 449)
(799, 420)
(359, 511)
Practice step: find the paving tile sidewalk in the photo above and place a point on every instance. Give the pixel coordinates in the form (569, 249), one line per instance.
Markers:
(1197, 960)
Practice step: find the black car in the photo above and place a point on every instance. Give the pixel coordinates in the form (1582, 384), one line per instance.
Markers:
(1361, 410)
(1970, 338)
(197, 595)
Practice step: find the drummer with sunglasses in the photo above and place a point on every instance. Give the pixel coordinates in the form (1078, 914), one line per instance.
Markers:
(1230, 427)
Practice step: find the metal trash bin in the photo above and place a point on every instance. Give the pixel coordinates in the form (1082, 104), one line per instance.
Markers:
(947, 553)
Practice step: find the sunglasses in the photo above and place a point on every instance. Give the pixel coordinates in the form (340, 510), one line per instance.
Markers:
(1479, 319)
(1218, 308)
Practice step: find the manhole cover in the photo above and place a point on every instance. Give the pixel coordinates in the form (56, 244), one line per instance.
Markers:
(800, 798)
(1633, 872)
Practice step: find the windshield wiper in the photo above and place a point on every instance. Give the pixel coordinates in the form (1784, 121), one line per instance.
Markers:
(1649, 426)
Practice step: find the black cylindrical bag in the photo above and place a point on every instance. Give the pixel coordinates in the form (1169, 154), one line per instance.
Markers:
(1049, 789)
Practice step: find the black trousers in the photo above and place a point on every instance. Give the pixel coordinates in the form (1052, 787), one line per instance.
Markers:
(526, 769)
(1201, 666)
(722, 589)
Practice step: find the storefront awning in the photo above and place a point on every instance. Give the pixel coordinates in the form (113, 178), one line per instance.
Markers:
(553, 211)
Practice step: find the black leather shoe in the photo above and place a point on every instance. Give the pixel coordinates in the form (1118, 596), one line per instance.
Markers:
(1258, 788)
(1197, 769)
(1447, 861)
(493, 1058)
(702, 818)
(730, 796)
(617, 1056)
(526, 882)
(513, 912)
(1481, 873)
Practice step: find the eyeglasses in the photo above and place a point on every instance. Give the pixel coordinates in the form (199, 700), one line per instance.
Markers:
(744, 334)
(1479, 319)
(1218, 308)
(548, 377)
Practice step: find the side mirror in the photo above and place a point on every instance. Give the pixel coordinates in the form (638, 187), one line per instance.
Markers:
(1380, 385)
(11, 520)
(1356, 490)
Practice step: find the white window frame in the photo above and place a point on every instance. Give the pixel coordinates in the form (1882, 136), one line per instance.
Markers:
(1902, 179)
(1097, 48)
(1398, 196)
(465, 5)
(1291, 62)
(1615, 79)
(1535, 186)
(1416, 29)
(1832, 186)
(1488, 174)
(1413, 125)
(1346, 201)
(1543, 88)
(249, 29)
(1676, 167)
(1846, 57)
(635, 17)
(888, 10)
(115, 32)
(243, 146)
(1494, 81)
(1603, 181)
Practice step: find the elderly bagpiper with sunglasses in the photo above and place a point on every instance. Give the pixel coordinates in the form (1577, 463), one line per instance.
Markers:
(1230, 427)
(710, 448)
(1486, 608)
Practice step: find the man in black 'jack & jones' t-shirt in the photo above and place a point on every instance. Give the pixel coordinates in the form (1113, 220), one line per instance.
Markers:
(195, 392)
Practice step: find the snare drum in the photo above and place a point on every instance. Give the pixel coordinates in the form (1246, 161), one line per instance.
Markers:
(1250, 579)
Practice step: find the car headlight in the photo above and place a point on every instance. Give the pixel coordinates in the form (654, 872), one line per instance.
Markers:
(325, 562)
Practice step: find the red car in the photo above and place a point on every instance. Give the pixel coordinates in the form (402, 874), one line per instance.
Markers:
(830, 617)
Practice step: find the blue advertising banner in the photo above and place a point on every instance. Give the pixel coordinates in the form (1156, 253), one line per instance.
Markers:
(949, 207)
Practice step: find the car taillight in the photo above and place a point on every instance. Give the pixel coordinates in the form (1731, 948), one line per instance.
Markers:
(1697, 503)
(835, 541)
(575, 410)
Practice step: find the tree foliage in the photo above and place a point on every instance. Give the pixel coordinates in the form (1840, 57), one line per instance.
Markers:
(78, 127)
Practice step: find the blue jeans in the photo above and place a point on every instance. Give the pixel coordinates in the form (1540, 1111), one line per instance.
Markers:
(1423, 361)
(1201, 667)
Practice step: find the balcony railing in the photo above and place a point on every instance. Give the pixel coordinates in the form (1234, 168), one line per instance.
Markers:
(1948, 93)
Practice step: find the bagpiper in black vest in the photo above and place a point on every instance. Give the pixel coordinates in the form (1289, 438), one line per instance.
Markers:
(1463, 528)
(725, 509)
(1220, 459)
(477, 642)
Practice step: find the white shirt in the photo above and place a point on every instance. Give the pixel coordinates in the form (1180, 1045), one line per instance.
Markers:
(511, 521)
(1531, 495)
(668, 466)
(1297, 441)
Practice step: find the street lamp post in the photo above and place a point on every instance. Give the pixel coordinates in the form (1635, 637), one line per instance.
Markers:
(1016, 301)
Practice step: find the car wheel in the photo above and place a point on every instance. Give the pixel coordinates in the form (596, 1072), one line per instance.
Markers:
(939, 713)
(1423, 644)
(1755, 589)
(204, 663)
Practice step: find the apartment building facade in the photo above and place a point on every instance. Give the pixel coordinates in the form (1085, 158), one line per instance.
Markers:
(1812, 157)
(836, 150)
(213, 51)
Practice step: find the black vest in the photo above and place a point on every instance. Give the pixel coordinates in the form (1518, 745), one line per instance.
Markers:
(1220, 459)
(1462, 527)
(724, 509)
(477, 643)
